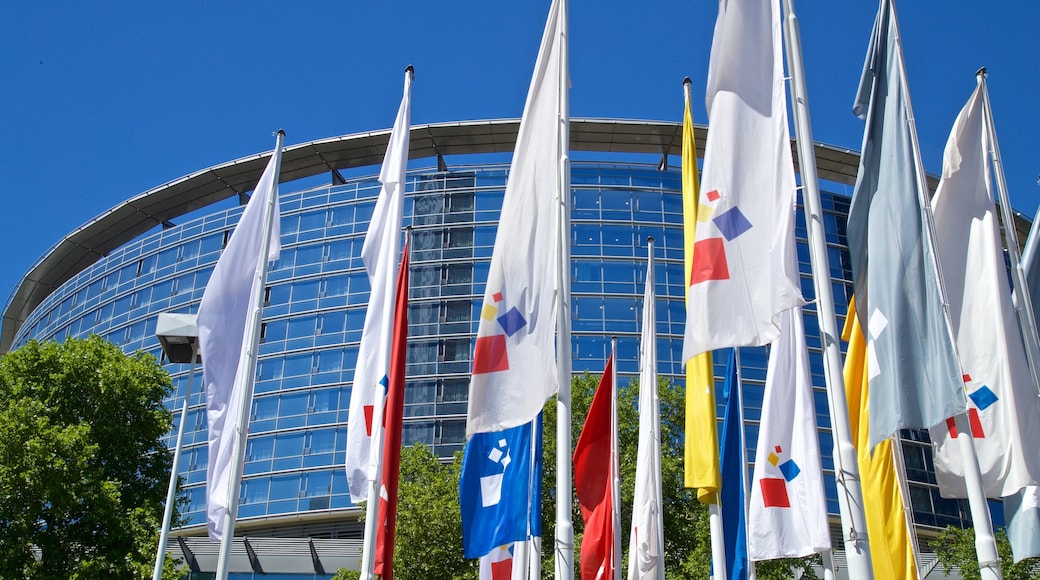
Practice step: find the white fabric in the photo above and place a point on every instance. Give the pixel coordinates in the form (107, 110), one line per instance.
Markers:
(788, 433)
(989, 342)
(227, 331)
(380, 253)
(747, 169)
(514, 362)
(646, 546)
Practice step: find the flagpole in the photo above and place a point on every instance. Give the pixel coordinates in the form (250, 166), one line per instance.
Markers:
(1023, 301)
(985, 541)
(171, 491)
(564, 524)
(846, 463)
(744, 483)
(247, 364)
(615, 476)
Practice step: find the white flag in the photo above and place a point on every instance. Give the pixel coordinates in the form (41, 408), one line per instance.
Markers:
(646, 546)
(1003, 409)
(227, 332)
(380, 254)
(514, 361)
(739, 282)
(787, 515)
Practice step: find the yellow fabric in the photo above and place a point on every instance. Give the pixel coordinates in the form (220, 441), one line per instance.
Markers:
(701, 456)
(890, 547)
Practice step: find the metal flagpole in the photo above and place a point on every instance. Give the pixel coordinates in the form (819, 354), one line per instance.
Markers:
(846, 463)
(248, 356)
(1023, 302)
(171, 491)
(615, 476)
(985, 542)
(743, 457)
(564, 525)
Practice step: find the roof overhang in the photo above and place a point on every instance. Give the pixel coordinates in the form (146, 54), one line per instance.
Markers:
(135, 217)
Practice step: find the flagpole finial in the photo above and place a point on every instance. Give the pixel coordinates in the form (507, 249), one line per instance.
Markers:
(649, 239)
(280, 132)
(981, 72)
(687, 81)
(410, 70)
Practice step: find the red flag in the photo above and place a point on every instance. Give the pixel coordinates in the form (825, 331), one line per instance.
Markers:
(595, 466)
(392, 420)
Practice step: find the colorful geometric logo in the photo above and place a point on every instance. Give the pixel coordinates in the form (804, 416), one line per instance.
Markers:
(709, 255)
(489, 354)
(369, 410)
(491, 485)
(774, 489)
(983, 398)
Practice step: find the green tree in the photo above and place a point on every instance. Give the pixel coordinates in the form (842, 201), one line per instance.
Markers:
(687, 545)
(956, 547)
(83, 472)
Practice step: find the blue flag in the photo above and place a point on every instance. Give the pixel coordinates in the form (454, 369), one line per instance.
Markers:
(734, 471)
(500, 488)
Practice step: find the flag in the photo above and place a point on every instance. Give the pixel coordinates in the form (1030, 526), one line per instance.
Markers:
(739, 282)
(891, 545)
(915, 381)
(226, 331)
(514, 362)
(393, 420)
(595, 480)
(380, 255)
(733, 472)
(1022, 515)
(700, 462)
(787, 514)
(646, 546)
(1003, 409)
(497, 564)
(1022, 510)
(500, 488)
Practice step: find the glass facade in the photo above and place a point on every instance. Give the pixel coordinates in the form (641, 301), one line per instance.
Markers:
(315, 304)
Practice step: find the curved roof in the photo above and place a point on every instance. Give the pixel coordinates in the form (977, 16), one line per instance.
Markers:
(134, 217)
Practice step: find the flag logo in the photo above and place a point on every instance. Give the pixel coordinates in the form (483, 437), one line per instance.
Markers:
(709, 255)
(491, 485)
(370, 410)
(983, 398)
(490, 353)
(774, 489)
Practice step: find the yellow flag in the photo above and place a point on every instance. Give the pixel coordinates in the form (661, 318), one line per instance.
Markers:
(701, 456)
(890, 545)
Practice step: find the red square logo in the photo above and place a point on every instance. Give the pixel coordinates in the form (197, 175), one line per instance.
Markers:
(709, 261)
(774, 492)
(489, 355)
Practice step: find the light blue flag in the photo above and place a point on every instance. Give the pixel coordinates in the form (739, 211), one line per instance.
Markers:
(1022, 510)
(500, 488)
(915, 380)
(733, 471)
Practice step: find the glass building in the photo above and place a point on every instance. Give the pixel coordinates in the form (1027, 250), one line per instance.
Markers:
(155, 253)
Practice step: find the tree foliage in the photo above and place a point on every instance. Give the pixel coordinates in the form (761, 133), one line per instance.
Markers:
(956, 547)
(83, 471)
(687, 545)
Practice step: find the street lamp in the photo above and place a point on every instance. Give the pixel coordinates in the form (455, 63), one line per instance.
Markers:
(179, 336)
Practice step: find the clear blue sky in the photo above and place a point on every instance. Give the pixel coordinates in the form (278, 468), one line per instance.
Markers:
(104, 100)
